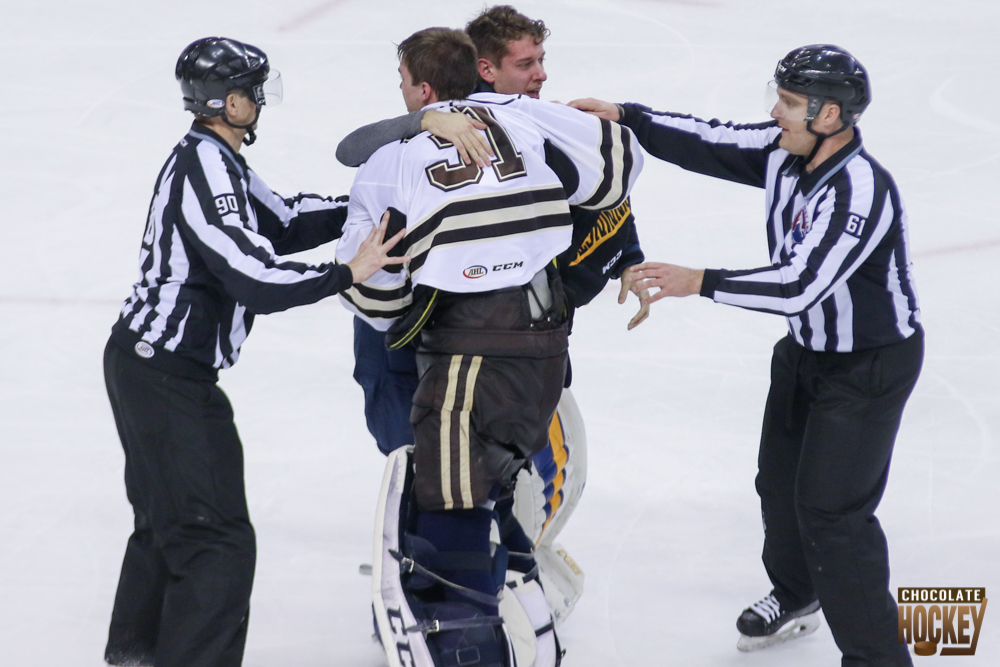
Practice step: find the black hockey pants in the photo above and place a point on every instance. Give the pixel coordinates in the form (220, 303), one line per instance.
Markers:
(829, 427)
(184, 595)
(491, 375)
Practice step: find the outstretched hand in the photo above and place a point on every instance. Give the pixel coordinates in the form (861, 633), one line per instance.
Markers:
(372, 255)
(462, 131)
(643, 295)
(599, 108)
(669, 279)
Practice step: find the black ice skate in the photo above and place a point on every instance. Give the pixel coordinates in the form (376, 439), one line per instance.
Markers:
(765, 623)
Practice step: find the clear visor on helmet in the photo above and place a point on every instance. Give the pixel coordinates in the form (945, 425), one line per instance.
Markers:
(272, 88)
(785, 105)
(270, 91)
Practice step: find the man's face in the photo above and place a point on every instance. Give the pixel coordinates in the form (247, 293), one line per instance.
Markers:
(790, 112)
(413, 95)
(521, 71)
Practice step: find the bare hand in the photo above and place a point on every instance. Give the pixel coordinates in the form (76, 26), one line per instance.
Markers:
(643, 295)
(372, 255)
(599, 108)
(459, 129)
(669, 279)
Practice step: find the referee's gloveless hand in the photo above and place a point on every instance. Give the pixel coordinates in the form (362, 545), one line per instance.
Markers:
(373, 253)
(669, 279)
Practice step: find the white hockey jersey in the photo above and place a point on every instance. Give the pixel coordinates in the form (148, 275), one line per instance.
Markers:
(470, 229)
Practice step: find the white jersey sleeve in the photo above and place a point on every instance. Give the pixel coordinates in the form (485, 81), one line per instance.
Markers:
(606, 155)
(386, 295)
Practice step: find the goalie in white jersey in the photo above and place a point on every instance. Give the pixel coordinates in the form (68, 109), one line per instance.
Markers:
(482, 291)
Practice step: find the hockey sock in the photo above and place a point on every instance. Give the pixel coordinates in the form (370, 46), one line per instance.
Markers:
(462, 541)
(513, 537)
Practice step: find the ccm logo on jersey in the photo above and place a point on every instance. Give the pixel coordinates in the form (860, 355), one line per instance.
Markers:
(855, 225)
(508, 266)
(478, 271)
(607, 267)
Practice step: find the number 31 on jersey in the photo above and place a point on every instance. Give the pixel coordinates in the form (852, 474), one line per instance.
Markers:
(508, 163)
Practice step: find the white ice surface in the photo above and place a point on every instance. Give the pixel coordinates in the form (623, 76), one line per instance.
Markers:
(668, 530)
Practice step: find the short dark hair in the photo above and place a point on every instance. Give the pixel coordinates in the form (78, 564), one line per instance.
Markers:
(500, 25)
(444, 58)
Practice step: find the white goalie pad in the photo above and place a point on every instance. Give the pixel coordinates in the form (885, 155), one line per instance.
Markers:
(529, 623)
(561, 578)
(546, 494)
(445, 632)
(392, 612)
(544, 498)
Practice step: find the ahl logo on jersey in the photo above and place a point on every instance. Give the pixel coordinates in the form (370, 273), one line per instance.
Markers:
(800, 227)
(474, 272)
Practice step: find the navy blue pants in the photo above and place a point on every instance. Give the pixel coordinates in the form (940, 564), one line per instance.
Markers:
(389, 380)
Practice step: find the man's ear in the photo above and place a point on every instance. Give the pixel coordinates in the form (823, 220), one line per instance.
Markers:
(831, 115)
(427, 93)
(232, 99)
(486, 70)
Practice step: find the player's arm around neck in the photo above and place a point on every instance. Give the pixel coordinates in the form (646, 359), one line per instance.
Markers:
(458, 129)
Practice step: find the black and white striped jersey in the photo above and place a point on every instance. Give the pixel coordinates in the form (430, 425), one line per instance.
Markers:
(474, 230)
(840, 270)
(209, 259)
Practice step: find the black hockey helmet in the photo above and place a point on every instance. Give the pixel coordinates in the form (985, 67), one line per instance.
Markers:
(824, 72)
(212, 67)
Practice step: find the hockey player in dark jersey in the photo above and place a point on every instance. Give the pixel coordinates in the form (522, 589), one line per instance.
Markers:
(840, 271)
(511, 53)
(482, 291)
(208, 265)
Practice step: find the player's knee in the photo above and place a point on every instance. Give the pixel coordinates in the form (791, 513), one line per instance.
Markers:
(202, 543)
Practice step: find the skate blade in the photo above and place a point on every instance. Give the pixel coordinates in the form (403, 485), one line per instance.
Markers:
(797, 627)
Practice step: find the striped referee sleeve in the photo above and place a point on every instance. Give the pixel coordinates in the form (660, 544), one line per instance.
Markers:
(605, 175)
(732, 152)
(242, 259)
(849, 221)
(297, 223)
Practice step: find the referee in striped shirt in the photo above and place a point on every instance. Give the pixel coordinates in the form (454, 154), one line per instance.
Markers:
(840, 272)
(208, 264)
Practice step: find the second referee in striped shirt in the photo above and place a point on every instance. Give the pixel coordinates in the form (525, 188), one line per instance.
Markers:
(840, 272)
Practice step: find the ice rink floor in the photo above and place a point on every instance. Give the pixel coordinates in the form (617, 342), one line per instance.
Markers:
(668, 531)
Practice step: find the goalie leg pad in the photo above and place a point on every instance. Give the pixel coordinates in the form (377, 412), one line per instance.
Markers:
(541, 632)
(423, 618)
(546, 494)
(561, 578)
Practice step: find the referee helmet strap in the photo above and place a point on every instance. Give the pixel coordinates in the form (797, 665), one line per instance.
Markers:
(821, 137)
(250, 136)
